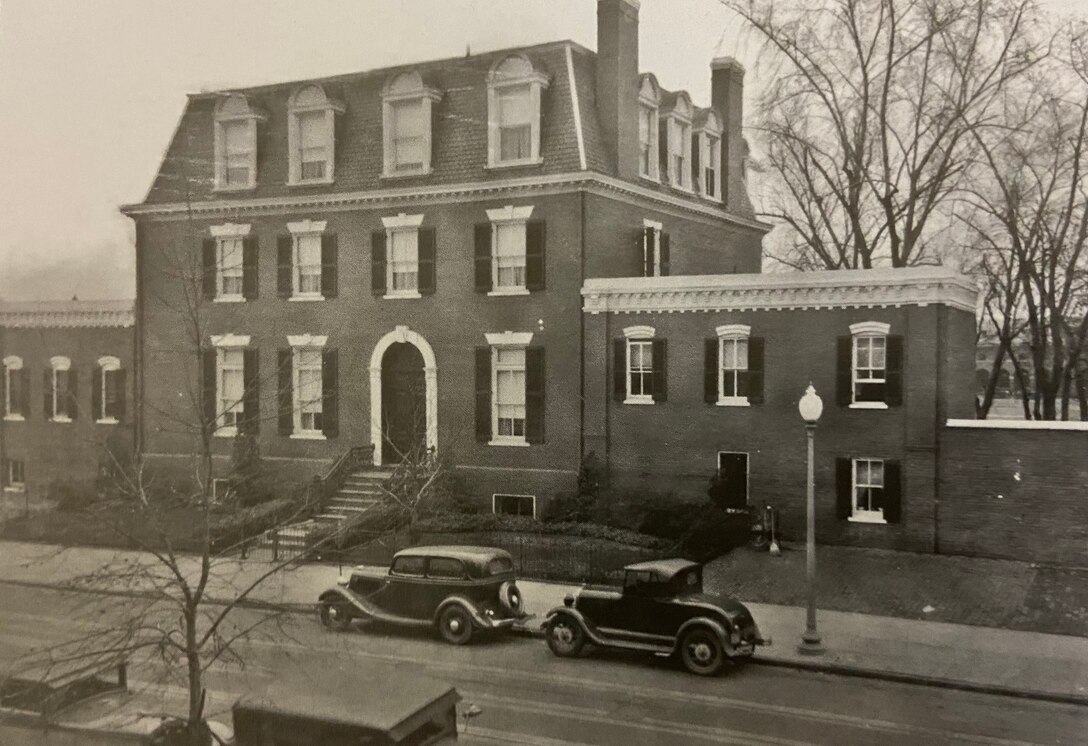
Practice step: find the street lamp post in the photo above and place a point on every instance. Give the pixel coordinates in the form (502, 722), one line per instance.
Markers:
(811, 407)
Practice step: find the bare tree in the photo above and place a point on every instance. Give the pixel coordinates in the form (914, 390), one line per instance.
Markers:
(1030, 222)
(867, 125)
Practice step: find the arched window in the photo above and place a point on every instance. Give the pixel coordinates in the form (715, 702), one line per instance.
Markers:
(108, 391)
(513, 97)
(406, 125)
(648, 102)
(236, 143)
(60, 390)
(311, 136)
(708, 154)
(16, 389)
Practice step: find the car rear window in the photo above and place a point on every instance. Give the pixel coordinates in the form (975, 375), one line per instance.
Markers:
(408, 566)
(500, 565)
(443, 567)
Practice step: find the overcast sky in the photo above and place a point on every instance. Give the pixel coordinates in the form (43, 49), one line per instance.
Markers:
(90, 93)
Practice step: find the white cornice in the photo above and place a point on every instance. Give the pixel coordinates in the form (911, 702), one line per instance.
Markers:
(509, 339)
(402, 221)
(594, 183)
(307, 340)
(855, 288)
(230, 340)
(230, 230)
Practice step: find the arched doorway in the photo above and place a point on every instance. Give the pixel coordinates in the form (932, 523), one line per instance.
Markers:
(401, 335)
(404, 403)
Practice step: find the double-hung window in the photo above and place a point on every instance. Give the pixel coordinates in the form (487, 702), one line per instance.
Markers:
(868, 490)
(308, 394)
(678, 141)
(14, 475)
(60, 390)
(406, 124)
(509, 258)
(514, 93)
(307, 275)
(311, 136)
(230, 387)
(510, 252)
(236, 143)
(640, 370)
(15, 389)
(402, 256)
(307, 262)
(509, 390)
(229, 263)
(649, 97)
(109, 391)
(708, 141)
(870, 367)
(656, 260)
(639, 367)
(308, 388)
(734, 367)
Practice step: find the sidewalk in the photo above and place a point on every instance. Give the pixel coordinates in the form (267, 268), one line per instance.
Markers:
(1029, 664)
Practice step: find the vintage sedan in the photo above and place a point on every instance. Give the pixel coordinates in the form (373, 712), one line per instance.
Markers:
(460, 590)
(660, 609)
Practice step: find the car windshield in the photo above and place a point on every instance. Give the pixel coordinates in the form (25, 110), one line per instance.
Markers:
(500, 565)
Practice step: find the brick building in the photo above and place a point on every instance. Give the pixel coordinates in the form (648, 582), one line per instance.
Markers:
(66, 393)
(505, 256)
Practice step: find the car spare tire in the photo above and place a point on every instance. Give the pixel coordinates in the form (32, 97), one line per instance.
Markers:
(510, 597)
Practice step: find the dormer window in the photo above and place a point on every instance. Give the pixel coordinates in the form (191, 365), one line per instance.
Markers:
(708, 155)
(513, 105)
(236, 144)
(647, 128)
(678, 142)
(406, 124)
(311, 136)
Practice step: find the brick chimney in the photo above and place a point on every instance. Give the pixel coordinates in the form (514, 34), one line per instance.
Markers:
(617, 80)
(727, 97)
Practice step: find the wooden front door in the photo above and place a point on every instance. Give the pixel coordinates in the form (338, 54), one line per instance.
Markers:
(733, 470)
(404, 403)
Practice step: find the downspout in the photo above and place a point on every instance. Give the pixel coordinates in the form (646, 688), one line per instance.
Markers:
(582, 332)
(939, 411)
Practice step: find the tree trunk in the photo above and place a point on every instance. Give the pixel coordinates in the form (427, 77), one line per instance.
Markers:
(1082, 393)
(983, 409)
(196, 681)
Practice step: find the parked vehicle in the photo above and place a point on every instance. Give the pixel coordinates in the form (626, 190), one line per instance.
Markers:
(660, 609)
(459, 590)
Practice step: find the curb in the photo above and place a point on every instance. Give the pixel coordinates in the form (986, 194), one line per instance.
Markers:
(534, 631)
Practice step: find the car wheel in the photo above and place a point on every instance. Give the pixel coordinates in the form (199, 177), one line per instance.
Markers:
(565, 636)
(335, 616)
(701, 652)
(455, 625)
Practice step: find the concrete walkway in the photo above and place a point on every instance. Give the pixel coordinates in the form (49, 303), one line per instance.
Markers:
(1027, 664)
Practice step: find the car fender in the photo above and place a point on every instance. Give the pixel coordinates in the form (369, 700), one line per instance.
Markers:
(721, 631)
(478, 619)
(578, 617)
(361, 606)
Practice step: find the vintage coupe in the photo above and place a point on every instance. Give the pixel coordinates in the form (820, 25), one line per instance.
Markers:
(660, 609)
(458, 589)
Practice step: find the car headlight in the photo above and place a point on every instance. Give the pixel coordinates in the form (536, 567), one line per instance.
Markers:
(342, 580)
(489, 612)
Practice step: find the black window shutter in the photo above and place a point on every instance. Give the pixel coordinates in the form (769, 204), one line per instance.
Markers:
(844, 487)
(97, 405)
(115, 405)
(207, 367)
(665, 253)
(755, 370)
(47, 393)
(646, 249)
(696, 162)
(893, 492)
(330, 394)
(251, 395)
(534, 255)
(534, 394)
(660, 354)
(285, 246)
(619, 369)
(71, 402)
(427, 249)
(284, 375)
(24, 392)
(329, 272)
(483, 394)
(710, 370)
(3, 472)
(893, 373)
(207, 277)
(483, 259)
(377, 262)
(844, 380)
(250, 254)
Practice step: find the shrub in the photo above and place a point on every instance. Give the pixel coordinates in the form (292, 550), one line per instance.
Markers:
(70, 497)
(364, 527)
(249, 480)
(713, 532)
(452, 523)
(584, 503)
(248, 522)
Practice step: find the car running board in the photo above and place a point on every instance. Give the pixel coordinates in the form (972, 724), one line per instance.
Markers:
(614, 642)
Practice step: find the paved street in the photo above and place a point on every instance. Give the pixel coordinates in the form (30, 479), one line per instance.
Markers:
(528, 696)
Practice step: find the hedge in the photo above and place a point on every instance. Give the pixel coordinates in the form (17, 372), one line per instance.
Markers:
(253, 521)
(447, 523)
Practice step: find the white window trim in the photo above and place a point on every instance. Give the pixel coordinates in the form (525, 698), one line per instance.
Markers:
(230, 340)
(657, 229)
(495, 501)
(509, 215)
(221, 233)
(729, 332)
(427, 96)
(217, 494)
(12, 363)
(331, 108)
(301, 229)
(640, 333)
(865, 330)
(106, 364)
(223, 343)
(58, 363)
(302, 343)
(401, 223)
(705, 134)
(505, 340)
(537, 82)
(674, 119)
(252, 118)
(864, 516)
(653, 104)
(10, 486)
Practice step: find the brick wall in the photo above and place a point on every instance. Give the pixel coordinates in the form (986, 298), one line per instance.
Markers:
(1015, 493)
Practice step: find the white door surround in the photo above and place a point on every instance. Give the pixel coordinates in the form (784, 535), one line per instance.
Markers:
(430, 375)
